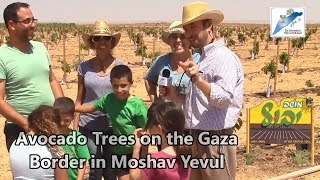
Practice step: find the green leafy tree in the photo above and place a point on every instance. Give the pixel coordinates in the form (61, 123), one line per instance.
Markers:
(241, 38)
(284, 58)
(270, 68)
(255, 50)
(268, 40)
(231, 43)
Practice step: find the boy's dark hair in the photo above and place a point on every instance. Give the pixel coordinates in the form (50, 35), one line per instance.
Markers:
(10, 12)
(121, 71)
(64, 105)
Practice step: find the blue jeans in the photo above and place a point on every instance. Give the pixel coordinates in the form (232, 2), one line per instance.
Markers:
(100, 151)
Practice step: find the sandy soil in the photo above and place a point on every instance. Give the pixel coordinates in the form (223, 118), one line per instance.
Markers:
(269, 162)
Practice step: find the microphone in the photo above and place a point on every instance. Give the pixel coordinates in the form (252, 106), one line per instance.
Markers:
(165, 79)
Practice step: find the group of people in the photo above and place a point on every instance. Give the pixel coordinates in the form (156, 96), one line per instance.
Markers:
(206, 94)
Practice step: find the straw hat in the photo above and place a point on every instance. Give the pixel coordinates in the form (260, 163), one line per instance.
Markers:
(101, 29)
(197, 11)
(171, 29)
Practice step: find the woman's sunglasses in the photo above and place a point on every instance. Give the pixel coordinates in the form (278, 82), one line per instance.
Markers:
(99, 38)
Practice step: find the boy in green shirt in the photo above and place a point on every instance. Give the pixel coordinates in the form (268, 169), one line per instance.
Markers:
(127, 112)
(66, 109)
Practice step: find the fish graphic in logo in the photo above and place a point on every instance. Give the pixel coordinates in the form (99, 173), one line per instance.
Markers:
(285, 20)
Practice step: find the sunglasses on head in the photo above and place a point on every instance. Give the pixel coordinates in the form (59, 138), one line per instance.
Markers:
(99, 38)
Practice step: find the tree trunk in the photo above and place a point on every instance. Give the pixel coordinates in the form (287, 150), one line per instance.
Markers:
(253, 48)
(269, 87)
(153, 45)
(288, 54)
(283, 69)
(252, 55)
(79, 43)
(275, 76)
(64, 47)
(142, 49)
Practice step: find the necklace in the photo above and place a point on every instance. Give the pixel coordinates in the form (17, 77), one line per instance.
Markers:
(100, 66)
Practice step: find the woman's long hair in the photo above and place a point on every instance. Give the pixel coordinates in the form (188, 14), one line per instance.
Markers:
(44, 121)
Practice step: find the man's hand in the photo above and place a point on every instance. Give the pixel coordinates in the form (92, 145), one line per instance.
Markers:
(192, 70)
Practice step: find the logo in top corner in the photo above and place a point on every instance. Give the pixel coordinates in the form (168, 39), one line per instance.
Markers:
(287, 22)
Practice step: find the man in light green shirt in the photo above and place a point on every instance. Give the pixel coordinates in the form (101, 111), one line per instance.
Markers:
(26, 78)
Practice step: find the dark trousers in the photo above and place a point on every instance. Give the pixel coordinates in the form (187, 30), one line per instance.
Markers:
(11, 132)
(100, 151)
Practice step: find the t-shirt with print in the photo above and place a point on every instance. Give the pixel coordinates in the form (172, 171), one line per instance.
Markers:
(75, 151)
(126, 116)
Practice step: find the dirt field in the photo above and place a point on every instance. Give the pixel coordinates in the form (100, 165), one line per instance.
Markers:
(269, 162)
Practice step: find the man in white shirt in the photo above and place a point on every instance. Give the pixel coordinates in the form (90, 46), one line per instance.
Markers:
(214, 102)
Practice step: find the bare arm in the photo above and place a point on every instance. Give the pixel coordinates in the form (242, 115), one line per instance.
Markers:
(60, 174)
(8, 111)
(85, 108)
(151, 89)
(55, 85)
(81, 172)
(135, 174)
(80, 98)
(171, 94)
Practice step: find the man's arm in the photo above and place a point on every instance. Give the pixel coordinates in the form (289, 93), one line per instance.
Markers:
(219, 93)
(8, 111)
(55, 85)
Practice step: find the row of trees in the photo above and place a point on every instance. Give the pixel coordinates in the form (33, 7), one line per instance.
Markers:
(140, 47)
(284, 58)
(262, 33)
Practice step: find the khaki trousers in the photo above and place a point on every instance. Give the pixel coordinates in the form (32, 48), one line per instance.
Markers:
(201, 151)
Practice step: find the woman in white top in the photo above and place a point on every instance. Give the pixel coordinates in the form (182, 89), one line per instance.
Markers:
(42, 121)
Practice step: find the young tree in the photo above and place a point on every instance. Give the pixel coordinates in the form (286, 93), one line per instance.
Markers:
(277, 42)
(269, 68)
(255, 50)
(268, 40)
(284, 60)
(241, 38)
(231, 43)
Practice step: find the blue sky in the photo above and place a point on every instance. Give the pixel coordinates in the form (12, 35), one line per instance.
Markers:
(133, 11)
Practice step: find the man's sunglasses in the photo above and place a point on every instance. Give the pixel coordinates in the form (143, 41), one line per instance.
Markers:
(99, 38)
(26, 21)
